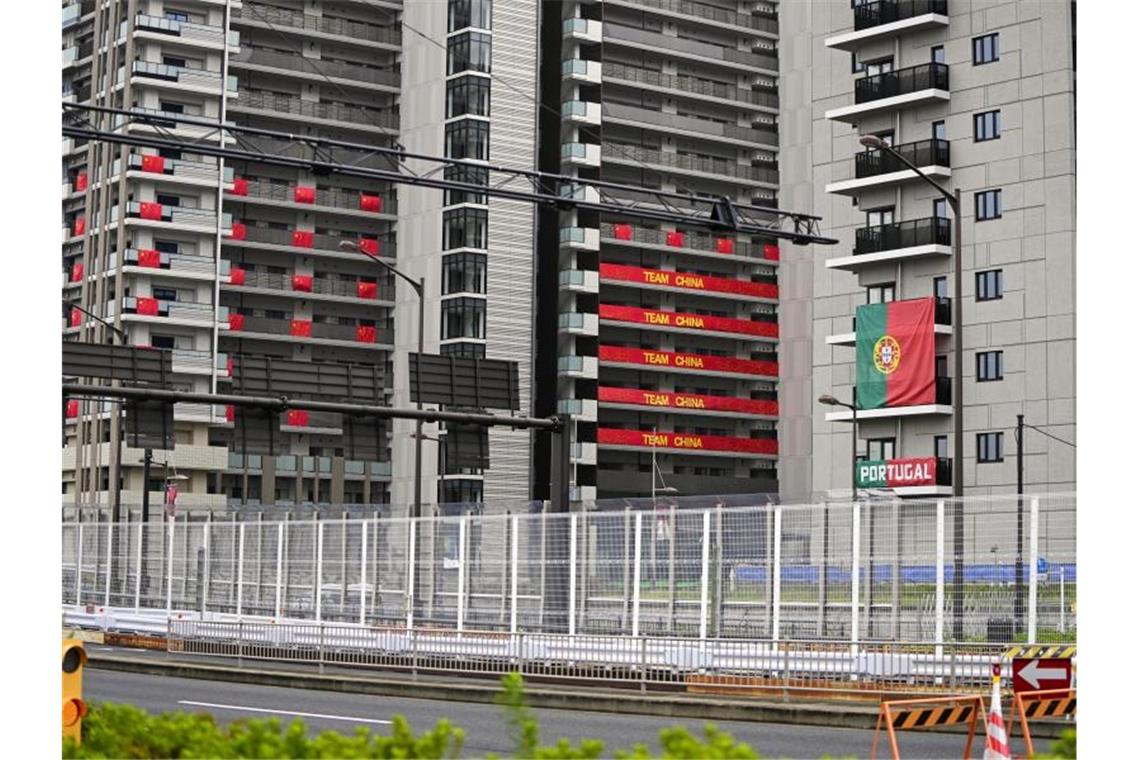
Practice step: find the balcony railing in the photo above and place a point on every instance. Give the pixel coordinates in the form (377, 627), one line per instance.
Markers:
(321, 242)
(319, 285)
(183, 29)
(319, 330)
(690, 84)
(350, 71)
(336, 26)
(872, 163)
(888, 237)
(179, 74)
(943, 314)
(331, 197)
(692, 240)
(869, 15)
(706, 164)
(902, 82)
(765, 59)
(328, 111)
(714, 13)
(944, 472)
(943, 391)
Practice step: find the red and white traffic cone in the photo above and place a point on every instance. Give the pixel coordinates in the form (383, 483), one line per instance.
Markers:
(997, 740)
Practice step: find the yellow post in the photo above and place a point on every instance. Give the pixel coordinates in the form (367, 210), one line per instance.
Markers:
(74, 708)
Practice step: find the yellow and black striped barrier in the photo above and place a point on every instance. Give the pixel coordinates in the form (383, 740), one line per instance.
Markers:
(905, 714)
(1047, 703)
(1064, 651)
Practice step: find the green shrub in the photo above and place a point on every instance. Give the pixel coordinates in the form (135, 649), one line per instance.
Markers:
(1064, 748)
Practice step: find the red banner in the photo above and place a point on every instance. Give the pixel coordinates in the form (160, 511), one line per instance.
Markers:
(669, 279)
(76, 318)
(229, 414)
(237, 276)
(700, 362)
(303, 283)
(370, 245)
(237, 321)
(687, 441)
(303, 238)
(370, 203)
(156, 164)
(77, 271)
(301, 328)
(147, 306)
(664, 399)
(675, 239)
(687, 321)
(297, 418)
(896, 473)
(230, 366)
(365, 289)
(365, 334)
(623, 231)
(80, 182)
(80, 225)
(72, 408)
(771, 252)
(725, 245)
(241, 186)
(150, 211)
(304, 194)
(237, 231)
(149, 257)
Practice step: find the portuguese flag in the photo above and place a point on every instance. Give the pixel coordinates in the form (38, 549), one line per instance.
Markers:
(894, 354)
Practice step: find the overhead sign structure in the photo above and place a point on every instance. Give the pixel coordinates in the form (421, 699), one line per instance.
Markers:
(464, 382)
(894, 354)
(135, 365)
(897, 473)
(1038, 673)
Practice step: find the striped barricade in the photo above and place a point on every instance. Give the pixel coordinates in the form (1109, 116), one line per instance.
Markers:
(1047, 703)
(907, 714)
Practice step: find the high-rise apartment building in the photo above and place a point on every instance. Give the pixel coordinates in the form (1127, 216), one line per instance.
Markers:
(981, 97)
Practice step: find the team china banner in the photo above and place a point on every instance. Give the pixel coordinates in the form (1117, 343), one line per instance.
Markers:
(687, 441)
(894, 354)
(687, 321)
(688, 281)
(683, 361)
(638, 397)
(895, 473)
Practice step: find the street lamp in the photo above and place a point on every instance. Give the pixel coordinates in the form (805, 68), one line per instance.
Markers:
(653, 491)
(953, 200)
(828, 400)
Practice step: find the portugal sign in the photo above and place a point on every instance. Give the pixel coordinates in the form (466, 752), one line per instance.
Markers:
(894, 353)
(896, 473)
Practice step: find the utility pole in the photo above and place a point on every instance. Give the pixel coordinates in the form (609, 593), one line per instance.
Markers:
(148, 459)
(1019, 569)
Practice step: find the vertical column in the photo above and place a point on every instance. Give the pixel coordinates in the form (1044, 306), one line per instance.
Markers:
(169, 566)
(1034, 515)
(574, 575)
(240, 568)
(461, 580)
(138, 568)
(705, 519)
(410, 596)
(363, 568)
(637, 574)
(855, 529)
(515, 574)
(940, 576)
(280, 556)
(206, 565)
(79, 564)
(777, 533)
(319, 574)
(107, 573)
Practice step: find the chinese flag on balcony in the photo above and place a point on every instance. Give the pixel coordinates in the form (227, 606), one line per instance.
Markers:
(297, 418)
(304, 194)
(154, 164)
(72, 408)
(771, 251)
(301, 328)
(675, 239)
(303, 283)
(229, 414)
(370, 202)
(623, 231)
(76, 317)
(303, 238)
(80, 182)
(237, 231)
(894, 354)
(237, 321)
(147, 306)
(80, 225)
(370, 245)
(77, 271)
(148, 257)
(365, 289)
(725, 245)
(241, 186)
(230, 366)
(150, 211)
(365, 334)
(237, 276)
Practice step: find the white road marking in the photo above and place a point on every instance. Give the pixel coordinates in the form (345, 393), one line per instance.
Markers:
(285, 712)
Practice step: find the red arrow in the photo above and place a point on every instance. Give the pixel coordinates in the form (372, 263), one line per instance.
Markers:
(1033, 673)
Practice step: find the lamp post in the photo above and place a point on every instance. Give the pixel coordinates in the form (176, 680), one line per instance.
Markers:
(653, 491)
(953, 200)
(829, 400)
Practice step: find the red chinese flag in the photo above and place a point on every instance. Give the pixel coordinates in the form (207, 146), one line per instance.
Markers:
(155, 164)
(304, 194)
(237, 231)
(72, 408)
(370, 202)
(301, 328)
(80, 225)
(237, 276)
(237, 321)
(229, 366)
(303, 283)
(623, 231)
(80, 182)
(771, 252)
(894, 354)
(302, 238)
(370, 245)
(150, 211)
(76, 317)
(148, 257)
(297, 418)
(147, 306)
(675, 239)
(725, 245)
(77, 271)
(241, 186)
(229, 414)
(365, 289)
(365, 334)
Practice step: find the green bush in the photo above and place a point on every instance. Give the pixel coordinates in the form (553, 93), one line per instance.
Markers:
(1064, 748)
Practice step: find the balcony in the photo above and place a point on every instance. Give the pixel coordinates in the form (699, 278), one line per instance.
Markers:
(943, 398)
(316, 69)
(579, 70)
(700, 364)
(583, 238)
(765, 328)
(943, 324)
(764, 446)
(692, 50)
(198, 80)
(578, 281)
(319, 288)
(877, 20)
(576, 323)
(636, 116)
(581, 154)
(196, 173)
(271, 328)
(303, 421)
(901, 241)
(879, 168)
(584, 453)
(696, 243)
(665, 402)
(580, 367)
(163, 128)
(323, 245)
(268, 17)
(335, 200)
(187, 312)
(181, 31)
(583, 30)
(701, 88)
(191, 361)
(172, 264)
(706, 165)
(718, 16)
(192, 219)
(296, 109)
(586, 409)
(582, 111)
(917, 85)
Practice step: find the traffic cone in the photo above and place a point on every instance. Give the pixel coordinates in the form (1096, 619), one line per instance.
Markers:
(997, 740)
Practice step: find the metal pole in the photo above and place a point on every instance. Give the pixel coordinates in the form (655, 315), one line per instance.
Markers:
(277, 583)
(939, 574)
(148, 457)
(417, 510)
(170, 567)
(705, 534)
(515, 575)
(959, 474)
(138, 566)
(777, 529)
(1034, 515)
(573, 610)
(363, 567)
(636, 629)
(79, 566)
(461, 576)
(1018, 580)
(854, 575)
(107, 579)
(411, 573)
(240, 568)
(318, 579)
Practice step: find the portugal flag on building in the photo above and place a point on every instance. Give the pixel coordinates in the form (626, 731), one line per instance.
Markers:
(894, 353)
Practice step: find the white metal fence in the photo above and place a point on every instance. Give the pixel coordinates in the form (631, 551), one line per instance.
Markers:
(741, 572)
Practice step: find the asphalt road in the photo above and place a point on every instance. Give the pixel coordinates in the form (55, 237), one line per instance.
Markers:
(484, 724)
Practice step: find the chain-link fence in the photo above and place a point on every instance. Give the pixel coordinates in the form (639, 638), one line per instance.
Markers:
(883, 570)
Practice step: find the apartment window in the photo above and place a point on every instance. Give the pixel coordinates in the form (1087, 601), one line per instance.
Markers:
(467, 139)
(167, 200)
(170, 60)
(989, 447)
(857, 65)
(464, 273)
(989, 365)
(884, 293)
(988, 285)
(463, 318)
(470, 51)
(941, 366)
(941, 447)
(460, 491)
(938, 130)
(879, 449)
(464, 13)
(941, 288)
(468, 95)
(987, 205)
(880, 66)
(938, 54)
(464, 349)
(475, 175)
(162, 341)
(164, 294)
(464, 228)
(985, 49)
(880, 216)
(987, 126)
(940, 208)
(177, 15)
(165, 246)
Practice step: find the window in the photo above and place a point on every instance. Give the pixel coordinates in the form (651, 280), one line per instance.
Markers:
(879, 449)
(467, 139)
(987, 205)
(164, 294)
(938, 130)
(460, 491)
(169, 60)
(464, 349)
(167, 200)
(987, 126)
(465, 13)
(165, 246)
(989, 447)
(988, 285)
(880, 216)
(888, 137)
(884, 293)
(941, 366)
(941, 289)
(464, 228)
(162, 341)
(941, 209)
(989, 365)
(464, 273)
(470, 51)
(468, 95)
(941, 447)
(462, 318)
(938, 54)
(177, 15)
(881, 66)
(985, 49)
(474, 175)
(856, 65)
